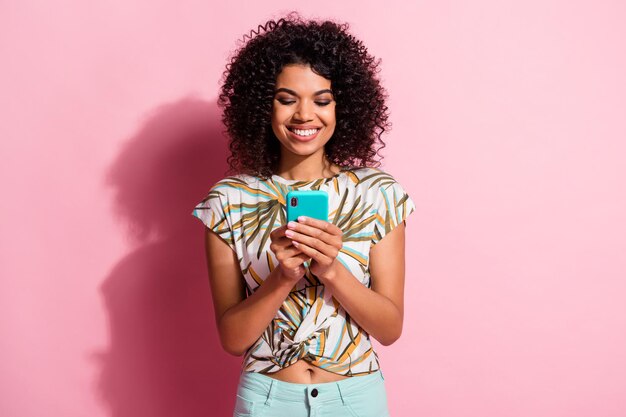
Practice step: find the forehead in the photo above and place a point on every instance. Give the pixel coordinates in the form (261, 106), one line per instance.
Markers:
(301, 78)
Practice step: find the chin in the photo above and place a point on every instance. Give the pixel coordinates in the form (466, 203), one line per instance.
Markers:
(301, 149)
(303, 152)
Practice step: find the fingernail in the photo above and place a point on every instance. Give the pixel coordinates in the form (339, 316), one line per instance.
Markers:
(289, 233)
(302, 218)
(291, 225)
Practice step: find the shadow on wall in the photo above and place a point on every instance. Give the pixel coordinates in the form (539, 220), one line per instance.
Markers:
(165, 357)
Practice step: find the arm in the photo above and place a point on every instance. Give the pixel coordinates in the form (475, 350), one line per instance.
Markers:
(378, 310)
(240, 320)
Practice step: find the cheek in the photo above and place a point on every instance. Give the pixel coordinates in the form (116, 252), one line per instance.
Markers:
(278, 132)
(278, 128)
(280, 116)
(328, 116)
(276, 121)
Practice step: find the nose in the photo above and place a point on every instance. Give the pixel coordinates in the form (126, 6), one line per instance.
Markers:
(304, 111)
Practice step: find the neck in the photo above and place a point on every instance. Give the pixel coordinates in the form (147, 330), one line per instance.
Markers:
(306, 168)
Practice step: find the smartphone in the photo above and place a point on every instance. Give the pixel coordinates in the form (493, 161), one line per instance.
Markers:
(310, 203)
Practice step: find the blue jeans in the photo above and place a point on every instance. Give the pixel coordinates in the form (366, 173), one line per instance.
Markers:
(259, 395)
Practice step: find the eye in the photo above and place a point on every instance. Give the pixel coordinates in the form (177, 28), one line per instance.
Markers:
(288, 102)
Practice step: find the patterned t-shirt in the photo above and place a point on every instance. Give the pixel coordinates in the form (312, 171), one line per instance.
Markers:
(365, 203)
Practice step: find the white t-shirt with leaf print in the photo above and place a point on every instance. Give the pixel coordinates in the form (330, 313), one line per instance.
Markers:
(366, 203)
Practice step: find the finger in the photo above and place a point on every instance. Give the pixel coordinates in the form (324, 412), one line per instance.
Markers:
(295, 261)
(295, 272)
(313, 253)
(313, 232)
(281, 244)
(320, 224)
(278, 232)
(288, 252)
(323, 247)
(302, 257)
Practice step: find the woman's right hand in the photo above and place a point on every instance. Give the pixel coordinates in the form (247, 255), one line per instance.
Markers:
(290, 259)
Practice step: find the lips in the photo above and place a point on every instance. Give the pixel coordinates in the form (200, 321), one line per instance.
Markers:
(303, 127)
(303, 138)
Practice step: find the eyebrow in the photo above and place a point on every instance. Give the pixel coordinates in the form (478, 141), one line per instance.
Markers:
(295, 94)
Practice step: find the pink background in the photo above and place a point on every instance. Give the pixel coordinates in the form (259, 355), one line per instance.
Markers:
(508, 132)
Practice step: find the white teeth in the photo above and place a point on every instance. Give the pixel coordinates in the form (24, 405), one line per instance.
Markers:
(307, 132)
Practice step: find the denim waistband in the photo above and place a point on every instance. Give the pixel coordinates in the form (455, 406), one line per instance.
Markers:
(294, 392)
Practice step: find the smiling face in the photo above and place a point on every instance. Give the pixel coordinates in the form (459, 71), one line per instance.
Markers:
(303, 112)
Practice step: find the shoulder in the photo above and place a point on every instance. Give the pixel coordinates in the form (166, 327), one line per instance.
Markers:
(233, 183)
(242, 188)
(381, 188)
(372, 178)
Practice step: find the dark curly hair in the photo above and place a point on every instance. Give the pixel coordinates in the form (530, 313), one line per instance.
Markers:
(247, 93)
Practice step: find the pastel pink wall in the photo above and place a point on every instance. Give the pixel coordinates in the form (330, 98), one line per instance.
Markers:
(508, 132)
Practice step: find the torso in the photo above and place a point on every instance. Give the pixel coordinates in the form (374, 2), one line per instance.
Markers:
(359, 182)
(303, 372)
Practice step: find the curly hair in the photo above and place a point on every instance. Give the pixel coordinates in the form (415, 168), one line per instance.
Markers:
(247, 93)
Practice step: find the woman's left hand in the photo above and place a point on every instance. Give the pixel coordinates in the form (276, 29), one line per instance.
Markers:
(319, 240)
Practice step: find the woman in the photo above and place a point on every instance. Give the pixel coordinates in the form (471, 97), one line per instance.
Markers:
(304, 110)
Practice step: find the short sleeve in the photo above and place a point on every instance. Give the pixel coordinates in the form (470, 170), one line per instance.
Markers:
(393, 205)
(213, 212)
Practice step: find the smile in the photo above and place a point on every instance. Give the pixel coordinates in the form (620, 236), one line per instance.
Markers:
(303, 135)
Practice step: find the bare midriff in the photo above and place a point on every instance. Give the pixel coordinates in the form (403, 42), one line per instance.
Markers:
(302, 372)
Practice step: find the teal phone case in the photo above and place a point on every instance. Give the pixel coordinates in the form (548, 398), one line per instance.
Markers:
(310, 203)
